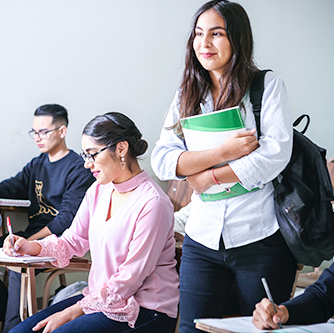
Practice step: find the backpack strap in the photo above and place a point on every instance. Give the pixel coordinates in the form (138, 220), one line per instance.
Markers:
(256, 93)
(299, 119)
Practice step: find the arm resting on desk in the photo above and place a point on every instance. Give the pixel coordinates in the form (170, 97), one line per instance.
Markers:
(55, 247)
(21, 246)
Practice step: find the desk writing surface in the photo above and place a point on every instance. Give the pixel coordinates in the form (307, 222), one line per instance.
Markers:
(28, 299)
(14, 202)
(23, 259)
(245, 325)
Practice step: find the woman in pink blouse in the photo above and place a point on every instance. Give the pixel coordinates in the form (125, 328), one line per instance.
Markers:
(126, 221)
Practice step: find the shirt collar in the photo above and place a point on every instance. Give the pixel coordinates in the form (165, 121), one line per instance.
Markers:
(132, 183)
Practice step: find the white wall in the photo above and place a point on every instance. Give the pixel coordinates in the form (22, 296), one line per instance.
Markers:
(94, 56)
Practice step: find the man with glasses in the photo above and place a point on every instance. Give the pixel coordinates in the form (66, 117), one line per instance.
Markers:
(55, 182)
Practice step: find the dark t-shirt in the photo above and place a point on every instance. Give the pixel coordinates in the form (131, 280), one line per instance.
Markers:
(55, 190)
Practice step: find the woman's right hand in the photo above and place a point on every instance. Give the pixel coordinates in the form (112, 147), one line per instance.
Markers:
(58, 319)
(238, 145)
(21, 246)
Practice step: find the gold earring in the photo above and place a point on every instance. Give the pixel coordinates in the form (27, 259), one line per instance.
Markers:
(122, 163)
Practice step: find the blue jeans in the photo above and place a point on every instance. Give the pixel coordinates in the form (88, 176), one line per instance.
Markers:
(149, 321)
(207, 277)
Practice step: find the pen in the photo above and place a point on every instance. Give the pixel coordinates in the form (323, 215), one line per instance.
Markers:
(9, 228)
(265, 285)
(202, 108)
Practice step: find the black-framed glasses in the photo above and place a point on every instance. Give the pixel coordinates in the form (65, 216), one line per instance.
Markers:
(42, 134)
(91, 157)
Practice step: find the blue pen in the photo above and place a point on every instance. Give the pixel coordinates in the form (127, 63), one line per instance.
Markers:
(265, 285)
(202, 108)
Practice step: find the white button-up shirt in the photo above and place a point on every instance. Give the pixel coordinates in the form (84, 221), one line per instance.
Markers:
(249, 217)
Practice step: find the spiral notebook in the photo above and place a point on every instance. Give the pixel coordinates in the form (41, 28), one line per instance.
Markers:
(25, 259)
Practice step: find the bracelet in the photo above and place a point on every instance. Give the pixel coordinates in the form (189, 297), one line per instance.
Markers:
(213, 177)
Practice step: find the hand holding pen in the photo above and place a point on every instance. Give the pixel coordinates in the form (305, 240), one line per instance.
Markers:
(18, 246)
(266, 287)
(9, 228)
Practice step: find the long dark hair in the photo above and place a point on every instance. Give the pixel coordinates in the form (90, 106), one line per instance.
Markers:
(239, 71)
(114, 127)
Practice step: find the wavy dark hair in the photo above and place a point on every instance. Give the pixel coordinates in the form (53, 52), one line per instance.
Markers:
(114, 127)
(239, 71)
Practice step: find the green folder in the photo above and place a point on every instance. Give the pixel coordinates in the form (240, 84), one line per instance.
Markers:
(207, 131)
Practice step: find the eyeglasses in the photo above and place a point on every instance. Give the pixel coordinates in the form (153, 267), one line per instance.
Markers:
(91, 157)
(43, 134)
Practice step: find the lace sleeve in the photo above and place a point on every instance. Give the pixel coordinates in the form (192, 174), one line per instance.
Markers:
(55, 247)
(112, 305)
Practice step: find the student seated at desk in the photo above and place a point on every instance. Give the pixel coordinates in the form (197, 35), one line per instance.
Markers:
(55, 182)
(126, 220)
(315, 305)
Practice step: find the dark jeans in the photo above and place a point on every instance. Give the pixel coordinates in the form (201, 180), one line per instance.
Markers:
(207, 277)
(149, 321)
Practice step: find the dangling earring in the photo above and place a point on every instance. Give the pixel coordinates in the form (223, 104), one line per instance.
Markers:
(122, 163)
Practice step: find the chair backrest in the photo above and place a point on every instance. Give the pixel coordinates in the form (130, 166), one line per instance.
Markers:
(179, 192)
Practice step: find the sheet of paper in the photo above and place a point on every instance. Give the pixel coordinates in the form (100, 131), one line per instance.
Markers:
(245, 325)
(23, 259)
(234, 324)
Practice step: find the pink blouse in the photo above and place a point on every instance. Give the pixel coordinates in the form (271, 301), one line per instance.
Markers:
(132, 252)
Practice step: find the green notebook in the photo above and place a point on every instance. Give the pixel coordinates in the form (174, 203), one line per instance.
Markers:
(207, 131)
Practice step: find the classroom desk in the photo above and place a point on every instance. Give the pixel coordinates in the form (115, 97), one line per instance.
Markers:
(28, 302)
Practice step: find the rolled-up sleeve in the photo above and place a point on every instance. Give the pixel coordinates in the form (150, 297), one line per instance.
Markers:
(265, 163)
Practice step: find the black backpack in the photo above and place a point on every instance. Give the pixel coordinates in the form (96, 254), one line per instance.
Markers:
(304, 198)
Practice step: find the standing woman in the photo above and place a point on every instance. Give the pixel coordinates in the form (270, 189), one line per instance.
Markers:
(126, 221)
(235, 240)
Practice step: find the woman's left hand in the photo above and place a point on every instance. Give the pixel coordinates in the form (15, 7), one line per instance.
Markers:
(201, 181)
(59, 318)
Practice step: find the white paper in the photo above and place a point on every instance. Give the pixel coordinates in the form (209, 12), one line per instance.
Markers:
(23, 259)
(245, 325)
